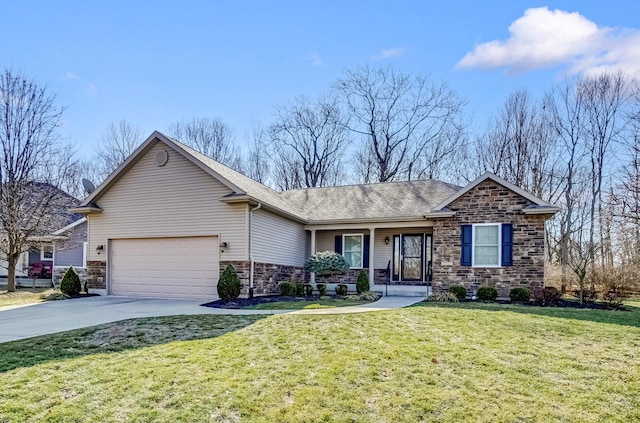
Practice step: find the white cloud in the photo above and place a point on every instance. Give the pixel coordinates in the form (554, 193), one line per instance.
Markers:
(545, 38)
(314, 59)
(70, 75)
(390, 52)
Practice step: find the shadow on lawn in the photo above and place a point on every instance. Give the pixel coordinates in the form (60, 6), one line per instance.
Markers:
(631, 317)
(118, 336)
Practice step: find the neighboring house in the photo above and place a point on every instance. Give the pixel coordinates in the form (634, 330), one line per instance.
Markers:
(70, 249)
(169, 219)
(37, 265)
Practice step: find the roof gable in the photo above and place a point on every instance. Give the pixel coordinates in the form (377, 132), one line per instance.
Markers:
(538, 204)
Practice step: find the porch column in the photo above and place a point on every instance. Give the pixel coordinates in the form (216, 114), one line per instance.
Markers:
(313, 251)
(372, 233)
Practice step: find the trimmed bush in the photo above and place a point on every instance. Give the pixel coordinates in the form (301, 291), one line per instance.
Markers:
(362, 284)
(70, 284)
(288, 289)
(326, 263)
(459, 291)
(229, 284)
(547, 297)
(308, 289)
(364, 296)
(322, 289)
(443, 297)
(487, 293)
(519, 295)
(342, 289)
(299, 289)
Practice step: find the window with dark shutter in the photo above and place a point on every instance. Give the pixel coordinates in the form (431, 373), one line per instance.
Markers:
(466, 238)
(507, 244)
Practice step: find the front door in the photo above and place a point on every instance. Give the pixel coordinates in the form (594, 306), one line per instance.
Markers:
(412, 257)
(411, 267)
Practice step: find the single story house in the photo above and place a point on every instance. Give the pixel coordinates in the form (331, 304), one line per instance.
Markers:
(168, 220)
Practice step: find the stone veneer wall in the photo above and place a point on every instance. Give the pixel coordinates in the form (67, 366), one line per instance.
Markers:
(97, 274)
(266, 276)
(379, 276)
(489, 202)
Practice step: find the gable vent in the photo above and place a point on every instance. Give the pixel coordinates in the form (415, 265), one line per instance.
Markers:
(162, 157)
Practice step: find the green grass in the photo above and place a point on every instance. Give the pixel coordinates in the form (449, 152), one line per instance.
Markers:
(324, 302)
(22, 296)
(435, 362)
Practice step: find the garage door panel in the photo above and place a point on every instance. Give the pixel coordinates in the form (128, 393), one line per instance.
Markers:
(165, 267)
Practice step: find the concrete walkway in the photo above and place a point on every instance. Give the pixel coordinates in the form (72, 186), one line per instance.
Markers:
(58, 316)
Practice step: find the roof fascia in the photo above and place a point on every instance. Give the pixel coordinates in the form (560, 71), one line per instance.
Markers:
(70, 226)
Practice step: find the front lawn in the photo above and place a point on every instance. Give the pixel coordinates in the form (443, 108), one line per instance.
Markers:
(452, 362)
(22, 296)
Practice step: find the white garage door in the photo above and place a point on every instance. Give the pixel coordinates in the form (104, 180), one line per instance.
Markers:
(165, 267)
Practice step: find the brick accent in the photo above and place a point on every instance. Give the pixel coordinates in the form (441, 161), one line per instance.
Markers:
(489, 202)
(97, 274)
(266, 276)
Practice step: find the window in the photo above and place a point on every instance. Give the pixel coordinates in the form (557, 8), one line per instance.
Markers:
(486, 244)
(46, 253)
(353, 250)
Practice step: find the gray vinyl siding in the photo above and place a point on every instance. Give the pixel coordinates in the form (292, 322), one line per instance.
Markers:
(69, 257)
(278, 240)
(175, 200)
(70, 251)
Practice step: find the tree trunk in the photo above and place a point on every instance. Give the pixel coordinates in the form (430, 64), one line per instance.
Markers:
(11, 273)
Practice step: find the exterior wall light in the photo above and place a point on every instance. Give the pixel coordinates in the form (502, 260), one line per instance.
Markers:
(386, 240)
(100, 249)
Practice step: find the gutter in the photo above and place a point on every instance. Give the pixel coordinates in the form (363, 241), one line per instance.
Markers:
(258, 207)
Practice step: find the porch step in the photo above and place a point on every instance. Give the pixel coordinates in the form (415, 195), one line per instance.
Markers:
(403, 291)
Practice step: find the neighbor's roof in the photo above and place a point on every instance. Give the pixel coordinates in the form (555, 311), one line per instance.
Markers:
(390, 200)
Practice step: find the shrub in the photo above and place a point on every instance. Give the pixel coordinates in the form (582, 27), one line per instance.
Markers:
(322, 289)
(364, 296)
(326, 263)
(443, 297)
(288, 289)
(589, 295)
(342, 289)
(299, 289)
(487, 293)
(362, 284)
(308, 289)
(70, 283)
(519, 295)
(548, 297)
(229, 284)
(459, 291)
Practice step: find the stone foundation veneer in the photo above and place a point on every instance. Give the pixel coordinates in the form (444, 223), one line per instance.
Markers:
(266, 276)
(489, 202)
(97, 275)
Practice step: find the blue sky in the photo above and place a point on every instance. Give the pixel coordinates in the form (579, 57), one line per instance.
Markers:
(155, 62)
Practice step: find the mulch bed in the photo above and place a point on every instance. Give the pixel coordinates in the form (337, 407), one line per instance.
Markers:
(246, 302)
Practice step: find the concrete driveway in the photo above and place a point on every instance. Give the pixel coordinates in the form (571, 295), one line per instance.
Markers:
(58, 316)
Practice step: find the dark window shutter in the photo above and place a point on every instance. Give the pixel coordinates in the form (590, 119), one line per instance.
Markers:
(465, 255)
(338, 244)
(507, 244)
(365, 249)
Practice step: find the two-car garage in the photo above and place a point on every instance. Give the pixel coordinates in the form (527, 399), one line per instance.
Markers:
(185, 267)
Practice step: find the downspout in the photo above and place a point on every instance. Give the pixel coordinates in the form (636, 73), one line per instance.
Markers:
(258, 207)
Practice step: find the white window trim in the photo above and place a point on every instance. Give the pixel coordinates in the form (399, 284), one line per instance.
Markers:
(473, 245)
(42, 257)
(361, 235)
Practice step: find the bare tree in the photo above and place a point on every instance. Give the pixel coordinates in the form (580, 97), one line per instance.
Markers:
(519, 146)
(399, 117)
(257, 163)
(33, 164)
(114, 147)
(308, 140)
(210, 136)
